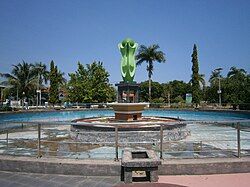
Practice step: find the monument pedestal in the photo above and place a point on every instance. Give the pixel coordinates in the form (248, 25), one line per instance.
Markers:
(128, 107)
(128, 117)
(128, 111)
(128, 92)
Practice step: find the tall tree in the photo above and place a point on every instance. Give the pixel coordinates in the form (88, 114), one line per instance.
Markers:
(236, 86)
(42, 76)
(215, 76)
(196, 91)
(54, 84)
(90, 83)
(149, 55)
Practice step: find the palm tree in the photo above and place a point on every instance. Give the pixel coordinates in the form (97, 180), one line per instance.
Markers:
(22, 79)
(60, 77)
(214, 77)
(42, 75)
(149, 55)
(202, 81)
(235, 72)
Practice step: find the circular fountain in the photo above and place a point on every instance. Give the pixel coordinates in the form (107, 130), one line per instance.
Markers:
(128, 109)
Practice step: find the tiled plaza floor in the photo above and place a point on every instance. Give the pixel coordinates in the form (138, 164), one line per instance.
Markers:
(16, 179)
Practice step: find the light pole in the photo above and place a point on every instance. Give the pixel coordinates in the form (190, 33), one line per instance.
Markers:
(169, 99)
(219, 90)
(23, 100)
(17, 98)
(38, 99)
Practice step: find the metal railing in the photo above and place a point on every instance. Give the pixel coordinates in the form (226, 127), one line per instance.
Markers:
(38, 146)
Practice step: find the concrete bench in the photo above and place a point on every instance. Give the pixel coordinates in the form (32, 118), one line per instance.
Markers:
(140, 160)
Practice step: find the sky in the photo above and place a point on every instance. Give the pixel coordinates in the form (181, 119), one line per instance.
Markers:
(68, 31)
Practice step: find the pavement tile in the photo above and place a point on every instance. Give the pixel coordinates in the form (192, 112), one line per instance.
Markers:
(4, 182)
(18, 178)
(104, 185)
(61, 179)
(88, 183)
(76, 180)
(29, 181)
(15, 179)
(36, 175)
(55, 185)
(4, 175)
(47, 177)
(112, 180)
(14, 184)
(10, 184)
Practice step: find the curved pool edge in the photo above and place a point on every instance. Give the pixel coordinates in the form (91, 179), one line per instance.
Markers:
(52, 110)
(94, 109)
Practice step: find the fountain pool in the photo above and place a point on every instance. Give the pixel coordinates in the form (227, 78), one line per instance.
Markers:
(50, 116)
(193, 137)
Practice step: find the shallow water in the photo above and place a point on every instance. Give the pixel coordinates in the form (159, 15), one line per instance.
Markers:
(71, 115)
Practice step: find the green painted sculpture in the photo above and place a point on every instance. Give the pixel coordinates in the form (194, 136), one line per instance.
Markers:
(127, 48)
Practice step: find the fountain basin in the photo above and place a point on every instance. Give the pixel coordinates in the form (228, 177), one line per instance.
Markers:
(145, 123)
(102, 129)
(128, 111)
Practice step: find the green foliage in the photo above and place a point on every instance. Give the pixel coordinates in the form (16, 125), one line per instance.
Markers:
(235, 88)
(196, 91)
(54, 84)
(42, 74)
(157, 102)
(89, 84)
(21, 81)
(178, 89)
(157, 90)
(178, 99)
(175, 89)
(5, 108)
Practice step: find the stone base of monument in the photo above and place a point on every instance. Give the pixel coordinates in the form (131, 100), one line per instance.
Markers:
(128, 116)
(139, 161)
(128, 111)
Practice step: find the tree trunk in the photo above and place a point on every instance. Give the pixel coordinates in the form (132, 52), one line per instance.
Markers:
(149, 88)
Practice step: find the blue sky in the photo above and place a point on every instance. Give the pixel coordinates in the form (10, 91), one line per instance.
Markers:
(71, 31)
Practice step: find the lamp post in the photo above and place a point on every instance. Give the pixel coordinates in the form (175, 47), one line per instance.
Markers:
(17, 97)
(23, 100)
(38, 99)
(219, 78)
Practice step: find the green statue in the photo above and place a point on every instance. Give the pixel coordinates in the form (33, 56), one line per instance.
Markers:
(127, 48)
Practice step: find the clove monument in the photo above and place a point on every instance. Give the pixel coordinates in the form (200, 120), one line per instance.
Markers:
(128, 107)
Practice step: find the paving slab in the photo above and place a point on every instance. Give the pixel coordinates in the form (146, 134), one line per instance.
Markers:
(221, 180)
(13, 179)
